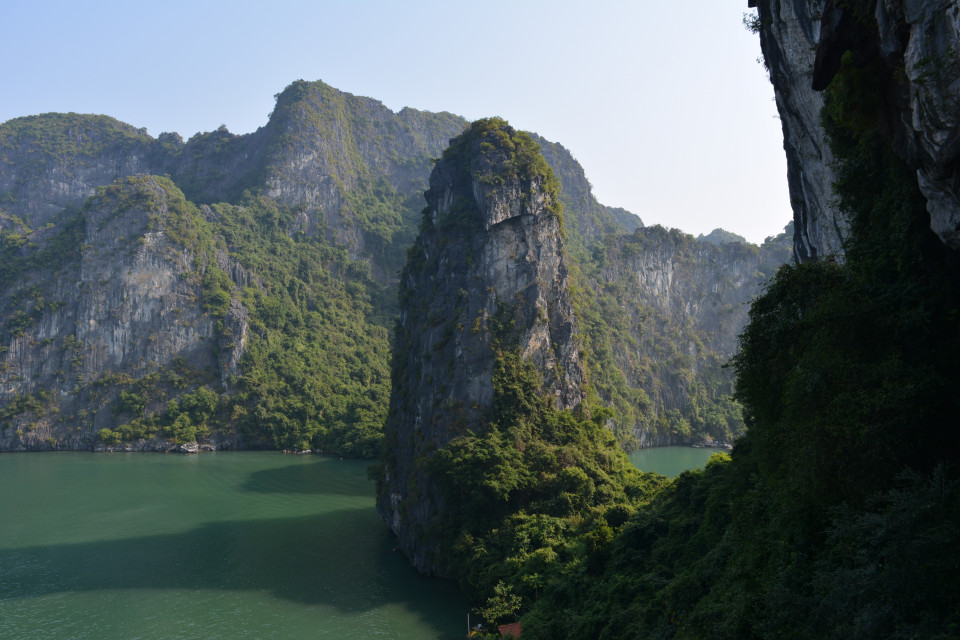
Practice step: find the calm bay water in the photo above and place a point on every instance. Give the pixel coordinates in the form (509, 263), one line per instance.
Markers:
(223, 545)
(671, 461)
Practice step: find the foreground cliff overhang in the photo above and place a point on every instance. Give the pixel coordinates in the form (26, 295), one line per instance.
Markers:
(803, 45)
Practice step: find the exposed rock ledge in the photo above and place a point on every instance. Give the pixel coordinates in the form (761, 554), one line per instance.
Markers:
(803, 43)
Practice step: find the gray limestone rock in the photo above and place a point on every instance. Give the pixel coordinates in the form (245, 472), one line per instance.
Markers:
(120, 301)
(487, 273)
(803, 42)
(789, 32)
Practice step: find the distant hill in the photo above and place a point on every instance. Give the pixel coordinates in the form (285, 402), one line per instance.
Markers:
(720, 237)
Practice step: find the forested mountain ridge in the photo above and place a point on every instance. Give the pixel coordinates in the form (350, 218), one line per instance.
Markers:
(305, 224)
(299, 220)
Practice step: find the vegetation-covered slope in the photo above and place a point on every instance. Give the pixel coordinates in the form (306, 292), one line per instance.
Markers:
(493, 471)
(278, 332)
(661, 313)
(307, 222)
(839, 513)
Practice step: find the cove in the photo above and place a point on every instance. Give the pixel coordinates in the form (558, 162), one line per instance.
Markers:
(671, 461)
(220, 545)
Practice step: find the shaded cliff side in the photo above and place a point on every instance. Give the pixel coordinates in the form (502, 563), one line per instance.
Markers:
(913, 49)
(486, 276)
(838, 514)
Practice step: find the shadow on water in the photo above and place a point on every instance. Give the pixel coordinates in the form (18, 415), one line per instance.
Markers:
(342, 559)
(315, 477)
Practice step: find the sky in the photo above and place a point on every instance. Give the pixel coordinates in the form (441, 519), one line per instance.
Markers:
(664, 104)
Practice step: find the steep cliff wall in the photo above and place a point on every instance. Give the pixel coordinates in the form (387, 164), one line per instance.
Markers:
(339, 156)
(788, 35)
(916, 43)
(664, 317)
(50, 161)
(487, 275)
(111, 297)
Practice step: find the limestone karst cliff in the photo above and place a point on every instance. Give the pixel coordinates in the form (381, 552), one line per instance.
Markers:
(112, 295)
(308, 220)
(913, 47)
(487, 275)
(337, 157)
(662, 322)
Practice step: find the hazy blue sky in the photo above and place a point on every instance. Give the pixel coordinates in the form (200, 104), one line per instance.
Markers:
(663, 103)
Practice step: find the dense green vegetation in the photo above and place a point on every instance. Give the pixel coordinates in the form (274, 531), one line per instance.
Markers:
(183, 420)
(536, 494)
(839, 513)
(314, 369)
(315, 372)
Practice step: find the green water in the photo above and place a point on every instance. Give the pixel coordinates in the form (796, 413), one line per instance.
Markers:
(224, 545)
(671, 461)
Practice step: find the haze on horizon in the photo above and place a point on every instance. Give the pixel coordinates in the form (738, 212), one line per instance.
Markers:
(668, 111)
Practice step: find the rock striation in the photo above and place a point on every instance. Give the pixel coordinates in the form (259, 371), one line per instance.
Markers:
(117, 295)
(803, 46)
(673, 308)
(487, 274)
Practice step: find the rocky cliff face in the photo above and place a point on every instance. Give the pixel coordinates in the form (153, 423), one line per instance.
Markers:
(306, 224)
(672, 308)
(804, 44)
(331, 150)
(50, 161)
(487, 274)
(113, 295)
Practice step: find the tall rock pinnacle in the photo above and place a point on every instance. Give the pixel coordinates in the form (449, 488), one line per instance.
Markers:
(486, 275)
